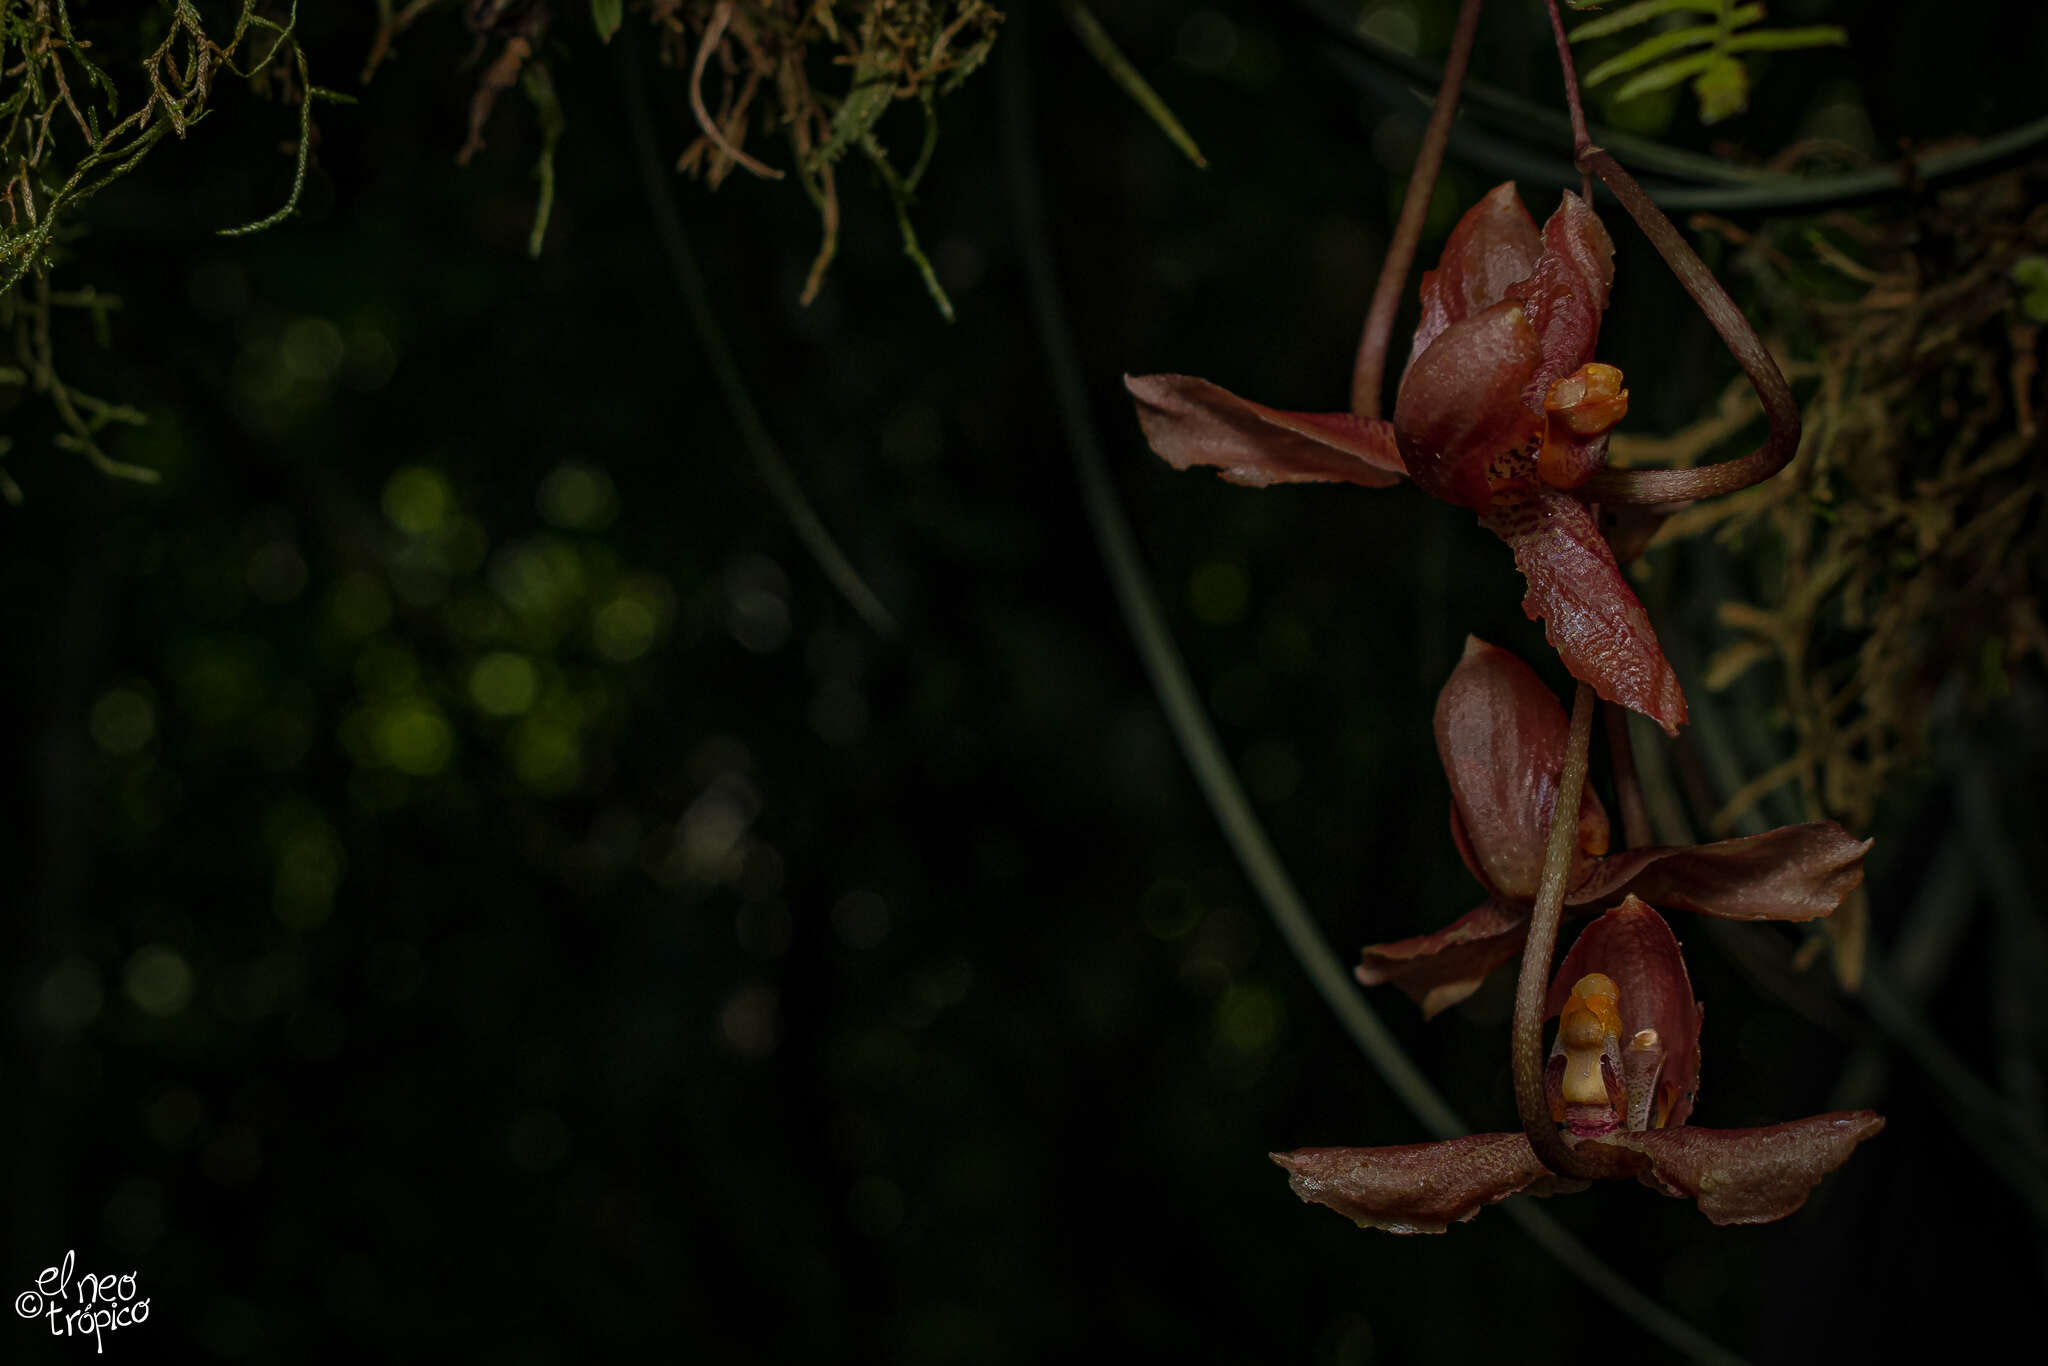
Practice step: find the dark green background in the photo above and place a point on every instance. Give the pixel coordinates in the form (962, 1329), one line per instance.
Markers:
(783, 991)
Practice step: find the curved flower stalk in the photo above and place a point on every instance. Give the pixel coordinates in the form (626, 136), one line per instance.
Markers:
(1621, 1080)
(1502, 735)
(1501, 410)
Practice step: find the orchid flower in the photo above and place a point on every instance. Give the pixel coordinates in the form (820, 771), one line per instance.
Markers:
(1502, 410)
(1501, 735)
(1621, 1079)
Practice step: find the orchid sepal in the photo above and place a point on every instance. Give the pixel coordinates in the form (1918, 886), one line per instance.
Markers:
(1191, 421)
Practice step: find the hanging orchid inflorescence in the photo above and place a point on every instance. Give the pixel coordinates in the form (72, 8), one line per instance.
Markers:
(1502, 409)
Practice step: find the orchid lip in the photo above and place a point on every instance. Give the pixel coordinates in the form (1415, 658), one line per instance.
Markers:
(1628, 1037)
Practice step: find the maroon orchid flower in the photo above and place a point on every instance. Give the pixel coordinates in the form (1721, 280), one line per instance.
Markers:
(1501, 735)
(1622, 1077)
(1502, 410)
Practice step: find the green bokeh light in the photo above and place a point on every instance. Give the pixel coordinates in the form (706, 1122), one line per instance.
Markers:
(159, 981)
(578, 497)
(1219, 592)
(123, 720)
(547, 755)
(418, 500)
(504, 684)
(624, 628)
(360, 605)
(310, 863)
(413, 737)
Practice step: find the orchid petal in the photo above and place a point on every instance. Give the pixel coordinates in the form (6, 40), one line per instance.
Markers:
(1796, 872)
(1501, 735)
(1591, 616)
(1566, 292)
(1420, 1187)
(1461, 408)
(1190, 421)
(1494, 246)
(1632, 945)
(1462, 838)
(1441, 969)
(1746, 1176)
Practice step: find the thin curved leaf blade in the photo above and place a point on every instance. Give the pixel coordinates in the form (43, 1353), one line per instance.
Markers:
(1670, 74)
(1628, 16)
(1650, 50)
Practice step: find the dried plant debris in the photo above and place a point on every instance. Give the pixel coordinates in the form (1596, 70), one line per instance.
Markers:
(818, 74)
(1906, 545)
(823, 73)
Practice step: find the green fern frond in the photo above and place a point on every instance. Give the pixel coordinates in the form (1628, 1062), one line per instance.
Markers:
(1670, 74)
(1786, 39)
(1705, 53)
(1628, 16)
(1661, 45)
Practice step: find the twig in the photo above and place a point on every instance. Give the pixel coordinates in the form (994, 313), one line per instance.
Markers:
(1719, 186)
(388, 28)
(1628, 784)
(713, 31)
(1369, 373)
(768, 459)
(1532, 985)
(1104, 50)
(902, 197)
(308, 92)
(1386, 68)
(1705, 481)
(1924, 950)
(38, 355)
(1581, 139)
(539, 85)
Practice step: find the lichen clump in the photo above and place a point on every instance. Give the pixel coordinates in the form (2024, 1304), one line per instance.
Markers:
(64, 136)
